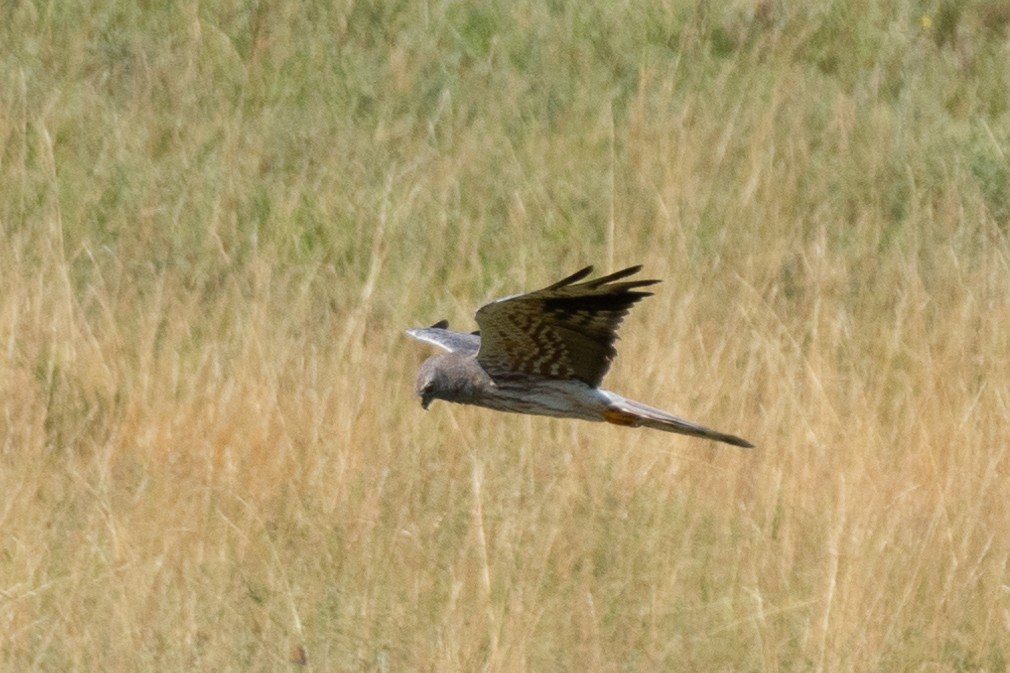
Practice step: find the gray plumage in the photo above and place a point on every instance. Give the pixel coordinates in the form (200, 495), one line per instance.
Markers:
(546, 352)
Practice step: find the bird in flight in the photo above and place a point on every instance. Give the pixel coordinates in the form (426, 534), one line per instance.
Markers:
(546, 352)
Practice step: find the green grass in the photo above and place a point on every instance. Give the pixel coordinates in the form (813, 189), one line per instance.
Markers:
(218, 218)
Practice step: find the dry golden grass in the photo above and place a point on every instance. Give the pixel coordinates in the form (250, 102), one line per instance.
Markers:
(217, 221)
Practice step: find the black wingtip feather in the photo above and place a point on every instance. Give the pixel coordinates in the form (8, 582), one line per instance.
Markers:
(574, 278)
(603, 280)
(617, 275)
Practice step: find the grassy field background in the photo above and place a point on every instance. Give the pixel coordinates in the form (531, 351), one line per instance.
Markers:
(219, 217)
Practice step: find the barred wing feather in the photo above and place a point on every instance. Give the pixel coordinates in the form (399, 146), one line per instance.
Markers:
(566, 330)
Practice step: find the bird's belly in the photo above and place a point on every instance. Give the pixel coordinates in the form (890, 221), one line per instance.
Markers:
(563, 398)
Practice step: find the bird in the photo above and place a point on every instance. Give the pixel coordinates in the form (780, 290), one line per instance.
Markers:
(545, 353)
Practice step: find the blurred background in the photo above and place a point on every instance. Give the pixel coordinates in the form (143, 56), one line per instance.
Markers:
(218, 218)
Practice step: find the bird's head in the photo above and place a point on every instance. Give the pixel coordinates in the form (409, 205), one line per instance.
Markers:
(441, 377)
(429, 378)
(425, 386)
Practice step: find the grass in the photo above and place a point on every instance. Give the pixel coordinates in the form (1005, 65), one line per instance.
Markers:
(218, 218)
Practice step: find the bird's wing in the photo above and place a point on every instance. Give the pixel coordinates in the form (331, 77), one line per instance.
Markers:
(566, 330)
(454, 342)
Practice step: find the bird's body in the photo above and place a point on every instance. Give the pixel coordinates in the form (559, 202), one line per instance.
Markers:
(469, 383)
(545, 353)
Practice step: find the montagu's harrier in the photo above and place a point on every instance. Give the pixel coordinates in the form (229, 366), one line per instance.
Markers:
(545, 353)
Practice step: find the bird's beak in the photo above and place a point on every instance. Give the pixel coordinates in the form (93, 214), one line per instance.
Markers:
(425, 401)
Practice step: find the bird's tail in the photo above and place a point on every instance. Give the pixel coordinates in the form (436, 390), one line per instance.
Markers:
(623, 411)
